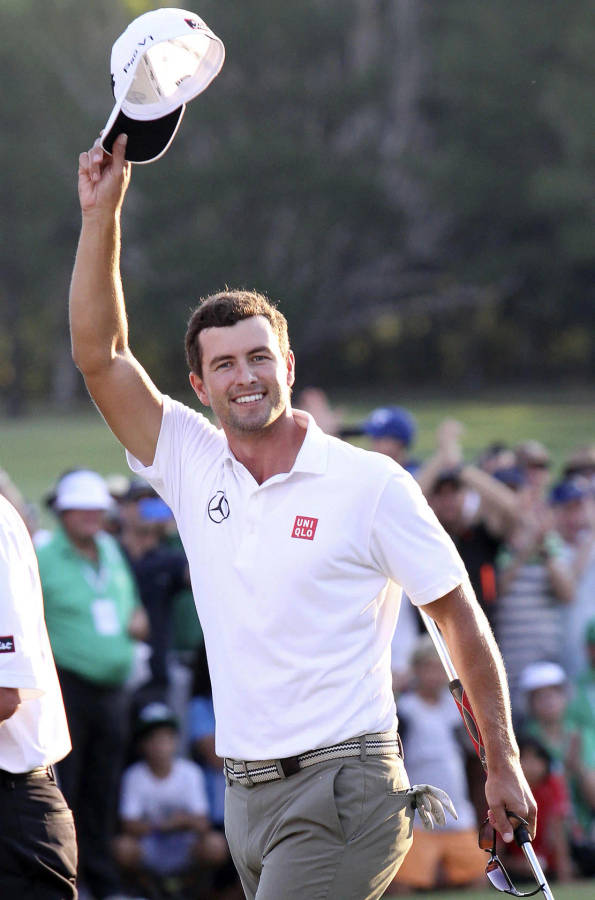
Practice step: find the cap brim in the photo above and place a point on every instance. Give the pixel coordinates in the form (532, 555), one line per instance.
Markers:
(144, 728)
(147, 140)
(351, 431)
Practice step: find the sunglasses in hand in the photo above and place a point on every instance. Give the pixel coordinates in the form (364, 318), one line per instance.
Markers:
(495, 871)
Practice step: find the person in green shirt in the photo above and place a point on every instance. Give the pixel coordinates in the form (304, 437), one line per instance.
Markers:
(94, 617)
(581, 710)
(552, 719)
(581, 716)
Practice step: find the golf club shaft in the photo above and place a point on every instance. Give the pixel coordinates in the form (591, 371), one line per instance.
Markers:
(466, 711)
(538, 874)
(439, 644)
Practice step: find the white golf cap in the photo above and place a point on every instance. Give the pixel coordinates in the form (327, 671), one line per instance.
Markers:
(163, 60)
(81, 489)
(541, 674)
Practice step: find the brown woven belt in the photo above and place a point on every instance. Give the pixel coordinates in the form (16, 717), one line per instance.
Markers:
(387, 743)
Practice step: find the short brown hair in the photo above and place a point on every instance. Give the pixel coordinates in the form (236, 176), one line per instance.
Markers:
(225, 309)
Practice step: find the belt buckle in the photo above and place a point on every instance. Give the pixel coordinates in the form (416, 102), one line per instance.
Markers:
(290, 765)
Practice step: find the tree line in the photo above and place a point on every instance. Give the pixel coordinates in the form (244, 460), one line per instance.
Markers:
(413, 181)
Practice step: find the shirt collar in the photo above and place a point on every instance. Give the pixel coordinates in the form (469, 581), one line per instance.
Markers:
(313, 454)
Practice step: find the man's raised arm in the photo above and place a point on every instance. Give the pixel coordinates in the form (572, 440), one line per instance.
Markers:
(122, 390)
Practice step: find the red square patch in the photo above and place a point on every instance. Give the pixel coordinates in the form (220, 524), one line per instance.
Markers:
(304, 527)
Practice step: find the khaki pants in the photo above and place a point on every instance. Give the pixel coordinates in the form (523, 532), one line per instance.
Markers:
(338, 830)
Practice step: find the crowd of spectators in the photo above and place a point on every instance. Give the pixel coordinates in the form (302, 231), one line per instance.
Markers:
(143, 778)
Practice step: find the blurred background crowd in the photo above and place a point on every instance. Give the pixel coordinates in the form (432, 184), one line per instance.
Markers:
(414, 179)
(143, 778)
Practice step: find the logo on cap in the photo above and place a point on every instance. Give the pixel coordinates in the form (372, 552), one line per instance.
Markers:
(304, 527)
(218, 508)
(148, 37)
(7, 644)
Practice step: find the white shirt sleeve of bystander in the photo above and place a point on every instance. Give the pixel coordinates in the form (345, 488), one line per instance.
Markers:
(19, 589)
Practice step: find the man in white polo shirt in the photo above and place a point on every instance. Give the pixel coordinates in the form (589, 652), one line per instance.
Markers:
(38, 852)
(291, 538)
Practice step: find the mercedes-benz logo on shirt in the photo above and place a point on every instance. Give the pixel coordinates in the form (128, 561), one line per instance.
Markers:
(218, 508)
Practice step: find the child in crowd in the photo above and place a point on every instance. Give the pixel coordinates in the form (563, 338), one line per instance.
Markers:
(581, 710)
(164, 807)
(550, 719)
(581, 715)
(551, 841)
(431, 730)
(201, 734)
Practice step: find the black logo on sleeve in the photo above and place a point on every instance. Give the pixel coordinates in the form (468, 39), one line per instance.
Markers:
(7, 644)
(218, 508)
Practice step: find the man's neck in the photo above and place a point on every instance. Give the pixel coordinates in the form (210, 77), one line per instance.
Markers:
(161, 768)
(270, 451)
(86, 547)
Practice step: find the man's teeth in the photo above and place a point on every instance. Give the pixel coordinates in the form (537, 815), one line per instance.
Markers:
(249, 398)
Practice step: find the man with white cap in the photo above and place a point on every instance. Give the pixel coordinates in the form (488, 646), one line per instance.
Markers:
(291, 538)
(552, 721)
(38, 853)
(93, 617)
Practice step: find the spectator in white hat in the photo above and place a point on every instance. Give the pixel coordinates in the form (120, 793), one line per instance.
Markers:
(93, 617)
(546, 693)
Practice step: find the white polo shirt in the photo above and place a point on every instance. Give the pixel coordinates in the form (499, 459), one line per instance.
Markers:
(290, 581)
(37, 733)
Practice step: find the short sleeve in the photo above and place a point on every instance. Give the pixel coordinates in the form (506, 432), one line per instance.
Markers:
(187, 440)
(20, 602)
(409, 544)
(131, 805)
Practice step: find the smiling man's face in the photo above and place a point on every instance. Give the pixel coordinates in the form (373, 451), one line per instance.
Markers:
(245, 378)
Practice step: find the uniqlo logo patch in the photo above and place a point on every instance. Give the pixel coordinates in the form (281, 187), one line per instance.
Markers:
(7, 644)
(304, 527)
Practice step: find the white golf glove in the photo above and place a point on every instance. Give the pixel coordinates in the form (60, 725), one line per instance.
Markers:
(430, 802)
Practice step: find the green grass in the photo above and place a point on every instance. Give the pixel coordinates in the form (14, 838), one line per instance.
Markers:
(34, 450)
(580, 890)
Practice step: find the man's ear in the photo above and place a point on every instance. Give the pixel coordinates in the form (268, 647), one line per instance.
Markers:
(199, 388)
(290, 368)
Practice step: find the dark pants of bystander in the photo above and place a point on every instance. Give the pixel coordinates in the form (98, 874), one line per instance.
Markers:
(38, 852)
(90, 775)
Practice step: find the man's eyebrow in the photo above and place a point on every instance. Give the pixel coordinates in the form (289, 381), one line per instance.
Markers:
(225, 356)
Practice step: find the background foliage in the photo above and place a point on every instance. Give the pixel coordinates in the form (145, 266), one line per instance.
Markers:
(414, 181)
